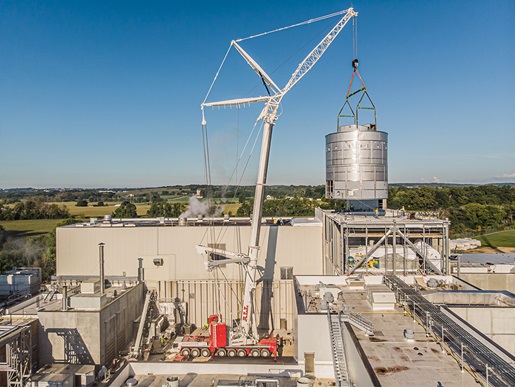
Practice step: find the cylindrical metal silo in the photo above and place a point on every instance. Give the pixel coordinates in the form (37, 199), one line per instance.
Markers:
(357, 163)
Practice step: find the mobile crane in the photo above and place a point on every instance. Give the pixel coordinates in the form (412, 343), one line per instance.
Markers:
(242, 340)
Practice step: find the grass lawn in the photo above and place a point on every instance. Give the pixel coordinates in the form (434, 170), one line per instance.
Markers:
(498, 239)
(23, 228)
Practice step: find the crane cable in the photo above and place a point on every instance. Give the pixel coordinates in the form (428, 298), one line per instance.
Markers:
(355, 38)
(294, 25)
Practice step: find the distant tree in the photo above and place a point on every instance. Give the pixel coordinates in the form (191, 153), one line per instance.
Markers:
(126, 210)
(100, 204)
(245, 208)
(168, 210)
(82, 203)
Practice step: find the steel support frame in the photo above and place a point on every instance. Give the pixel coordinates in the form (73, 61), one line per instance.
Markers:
(18, 355)
(338, 229)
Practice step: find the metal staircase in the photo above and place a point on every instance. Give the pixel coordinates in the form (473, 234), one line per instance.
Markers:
(341, 375)
(358, 321)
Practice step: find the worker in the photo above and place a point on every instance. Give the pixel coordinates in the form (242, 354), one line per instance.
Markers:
(280, 343)
(376, 211)
(162, 341)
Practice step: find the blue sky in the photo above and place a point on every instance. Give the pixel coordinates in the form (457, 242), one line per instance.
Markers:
(107, 93)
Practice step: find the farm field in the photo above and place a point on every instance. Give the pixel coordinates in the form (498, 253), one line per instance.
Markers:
(498, 239)
(98, 212)
(25, 228)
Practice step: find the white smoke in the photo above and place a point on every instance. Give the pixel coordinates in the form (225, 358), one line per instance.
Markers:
(196, 208)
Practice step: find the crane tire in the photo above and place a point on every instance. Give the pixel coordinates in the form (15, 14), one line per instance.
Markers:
(195, 352)
(185, 352)
(221, 352)
(231, 352)
(242, 353)
(205, 352)
(265, 353)
(255, 352)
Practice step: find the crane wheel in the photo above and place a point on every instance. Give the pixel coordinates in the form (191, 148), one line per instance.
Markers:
(221, 352)
(265, 353)
(195, 352)
(255, 353)
(185, 352)
(242, 353)
(205, 352)
(231, 353)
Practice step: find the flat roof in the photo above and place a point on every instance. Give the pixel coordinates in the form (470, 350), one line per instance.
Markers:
(191, 222)
(387, 219)
(488, 259)
(395, 361)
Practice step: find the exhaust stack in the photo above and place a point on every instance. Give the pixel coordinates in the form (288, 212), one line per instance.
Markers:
(101, 263)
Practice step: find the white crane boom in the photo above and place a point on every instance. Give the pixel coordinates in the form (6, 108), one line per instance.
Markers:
(256, 67)
(248, 329)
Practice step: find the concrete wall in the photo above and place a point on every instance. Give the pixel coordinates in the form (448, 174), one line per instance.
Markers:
(360, 370)
(81, 337)
(495, 323)
(491, 281)
(312, 335)
(77, 250)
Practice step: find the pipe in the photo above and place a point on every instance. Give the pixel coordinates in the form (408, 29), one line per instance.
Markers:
(141, 271)
(101, 263)
(65, 298)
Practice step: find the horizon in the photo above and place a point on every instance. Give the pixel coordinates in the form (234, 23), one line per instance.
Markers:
(246, 185)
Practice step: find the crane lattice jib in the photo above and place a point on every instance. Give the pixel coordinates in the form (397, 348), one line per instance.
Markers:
(318, 51)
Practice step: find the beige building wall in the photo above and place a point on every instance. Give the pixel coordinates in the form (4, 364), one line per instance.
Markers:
(183, 273)
(495, 323)
(281, 246)
(491, 281)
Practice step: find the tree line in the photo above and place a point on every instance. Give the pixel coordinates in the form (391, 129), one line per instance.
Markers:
(32, 209)
(469, 208)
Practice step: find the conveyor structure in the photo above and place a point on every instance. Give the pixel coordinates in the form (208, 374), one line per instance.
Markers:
(483, 363)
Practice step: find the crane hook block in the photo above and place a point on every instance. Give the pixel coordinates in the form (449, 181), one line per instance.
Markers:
(355, 63)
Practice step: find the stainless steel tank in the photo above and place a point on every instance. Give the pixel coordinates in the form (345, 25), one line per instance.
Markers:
(357, 163)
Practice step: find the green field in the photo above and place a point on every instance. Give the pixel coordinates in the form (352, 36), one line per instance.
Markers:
(498, 239)
(23, 228)
(98, 212)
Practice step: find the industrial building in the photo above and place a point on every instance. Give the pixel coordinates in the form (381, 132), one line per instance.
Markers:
(360, 297)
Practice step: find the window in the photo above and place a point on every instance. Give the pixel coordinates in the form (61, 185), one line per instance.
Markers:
(286, 273)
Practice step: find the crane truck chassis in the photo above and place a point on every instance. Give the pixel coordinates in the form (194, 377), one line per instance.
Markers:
(218, 343)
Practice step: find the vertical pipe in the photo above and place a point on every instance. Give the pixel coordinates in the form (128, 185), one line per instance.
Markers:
(140, 270)
(101, 263)
(394, 247)
(447, 248)
(65, 298)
